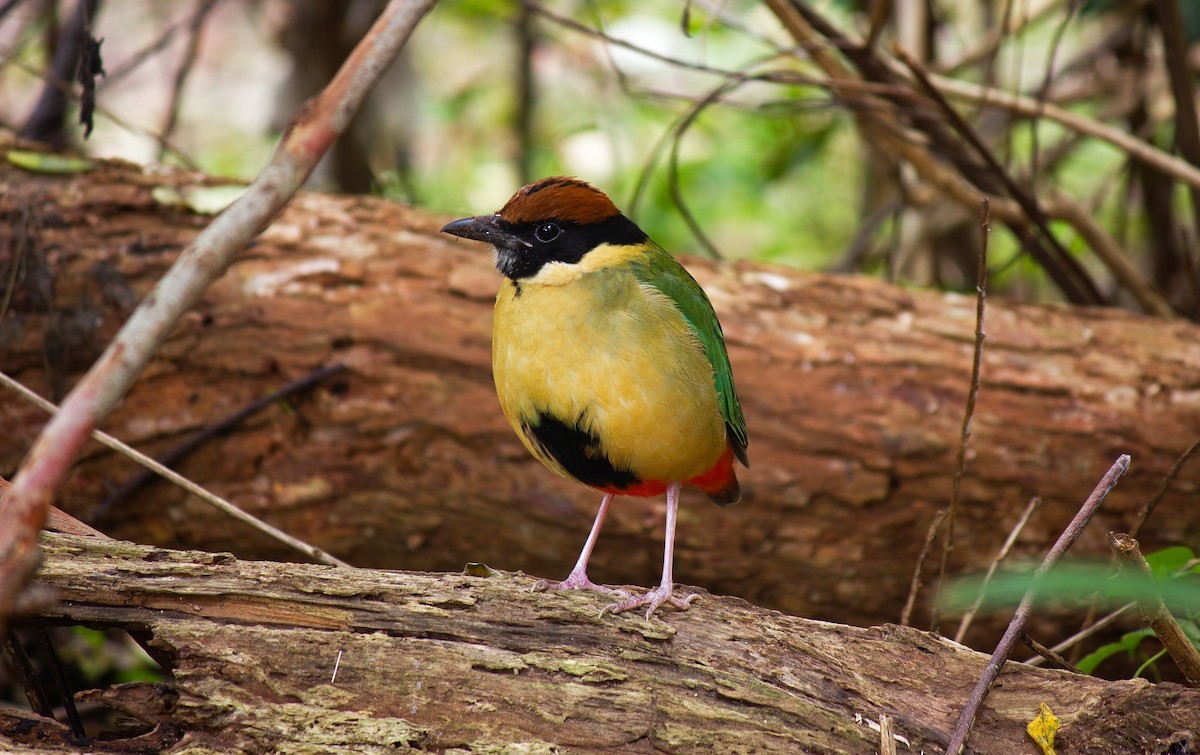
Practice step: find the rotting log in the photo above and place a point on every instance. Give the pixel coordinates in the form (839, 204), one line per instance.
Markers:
(853, 391)
(272, 657)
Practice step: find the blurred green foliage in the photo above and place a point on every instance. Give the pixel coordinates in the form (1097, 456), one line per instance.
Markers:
(772, 174)
(104, 658)
(773, 171)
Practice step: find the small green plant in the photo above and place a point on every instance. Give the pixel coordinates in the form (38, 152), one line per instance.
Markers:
(1174, 577)
(1175, 563)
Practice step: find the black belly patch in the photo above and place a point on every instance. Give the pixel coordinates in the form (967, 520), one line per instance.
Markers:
(578, 452)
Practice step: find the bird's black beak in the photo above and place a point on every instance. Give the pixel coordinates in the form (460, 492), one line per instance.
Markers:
(482, 228)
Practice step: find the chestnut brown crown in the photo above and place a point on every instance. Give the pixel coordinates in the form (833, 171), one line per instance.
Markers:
(558, 198)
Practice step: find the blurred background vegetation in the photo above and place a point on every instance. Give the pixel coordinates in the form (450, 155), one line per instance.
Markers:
(777, 130)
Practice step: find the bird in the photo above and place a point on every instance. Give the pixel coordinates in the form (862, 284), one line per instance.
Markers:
(609, 363)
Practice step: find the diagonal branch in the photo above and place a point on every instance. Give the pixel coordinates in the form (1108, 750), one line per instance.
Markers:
(312, 130)
(1004, 648)
(888, 125)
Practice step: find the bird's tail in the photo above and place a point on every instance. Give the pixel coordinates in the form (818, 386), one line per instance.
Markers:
(720, 482)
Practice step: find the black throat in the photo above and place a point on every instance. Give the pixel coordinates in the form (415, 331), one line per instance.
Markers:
(517, 261)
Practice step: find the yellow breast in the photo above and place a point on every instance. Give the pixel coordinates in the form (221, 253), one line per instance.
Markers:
(596, 349)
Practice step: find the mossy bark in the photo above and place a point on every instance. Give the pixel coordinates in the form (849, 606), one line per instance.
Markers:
(271, 657)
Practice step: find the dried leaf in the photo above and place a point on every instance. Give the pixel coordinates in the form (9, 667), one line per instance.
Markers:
(1043, 728)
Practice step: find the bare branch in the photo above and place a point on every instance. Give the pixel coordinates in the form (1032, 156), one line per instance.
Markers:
(196, 30)
(1163, 487)
(1030, 508)
(964, 439)
(962, 729)
(915, 585)
(1049, 655)
(313, 129)
(1099, 625)
(1136, 148)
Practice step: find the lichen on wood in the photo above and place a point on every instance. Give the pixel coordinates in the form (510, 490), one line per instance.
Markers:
(449, 662)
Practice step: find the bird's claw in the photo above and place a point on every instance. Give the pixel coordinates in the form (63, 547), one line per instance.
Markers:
(653, 600)
(577, 582)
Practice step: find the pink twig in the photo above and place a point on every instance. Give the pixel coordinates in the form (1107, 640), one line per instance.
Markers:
(313, 128)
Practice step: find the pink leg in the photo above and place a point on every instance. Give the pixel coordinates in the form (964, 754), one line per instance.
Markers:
(663, 593)
(578, 578)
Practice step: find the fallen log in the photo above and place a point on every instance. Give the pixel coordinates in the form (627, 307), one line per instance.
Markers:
(272, 657)
(853, 391)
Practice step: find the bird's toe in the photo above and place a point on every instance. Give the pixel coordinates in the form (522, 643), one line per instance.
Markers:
(578, 581)
(652, 600)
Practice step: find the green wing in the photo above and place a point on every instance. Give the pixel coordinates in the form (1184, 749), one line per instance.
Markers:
(662, 271)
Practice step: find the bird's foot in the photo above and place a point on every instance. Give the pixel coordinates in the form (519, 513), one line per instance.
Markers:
(660, 596)
(578, 581)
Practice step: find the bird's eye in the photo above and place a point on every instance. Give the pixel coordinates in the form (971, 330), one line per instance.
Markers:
(547, 232)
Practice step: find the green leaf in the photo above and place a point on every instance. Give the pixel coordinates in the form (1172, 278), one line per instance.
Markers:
(1127, 644)
(1169, 560)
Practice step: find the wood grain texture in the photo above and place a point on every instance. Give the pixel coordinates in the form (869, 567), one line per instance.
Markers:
(446, 662)
(852, 389)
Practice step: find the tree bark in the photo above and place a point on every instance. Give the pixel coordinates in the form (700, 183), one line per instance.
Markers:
(853, 391)
(270, 657)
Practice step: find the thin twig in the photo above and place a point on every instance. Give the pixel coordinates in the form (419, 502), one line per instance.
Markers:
(1111, 253)
(134, 61)
(721, 12)
(183, 71)
(19, 246)
(881, 14)
(1100, 624)
(1138, 149)
(8, 6)
(311, 551)
(1154, 611)
(1066, 271)
(915, 586)
(859, 248)
(1018, 104)
(1179, 73)
(524, 112)
(1002, 554)
(1043, 91)
(1008, 25)
(31, 680)
(207, 433)
(1165, 485)
(60, 682)
(954, 166)
(673, 162)
(962, 729)
(964, 439)
(1049, 655)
